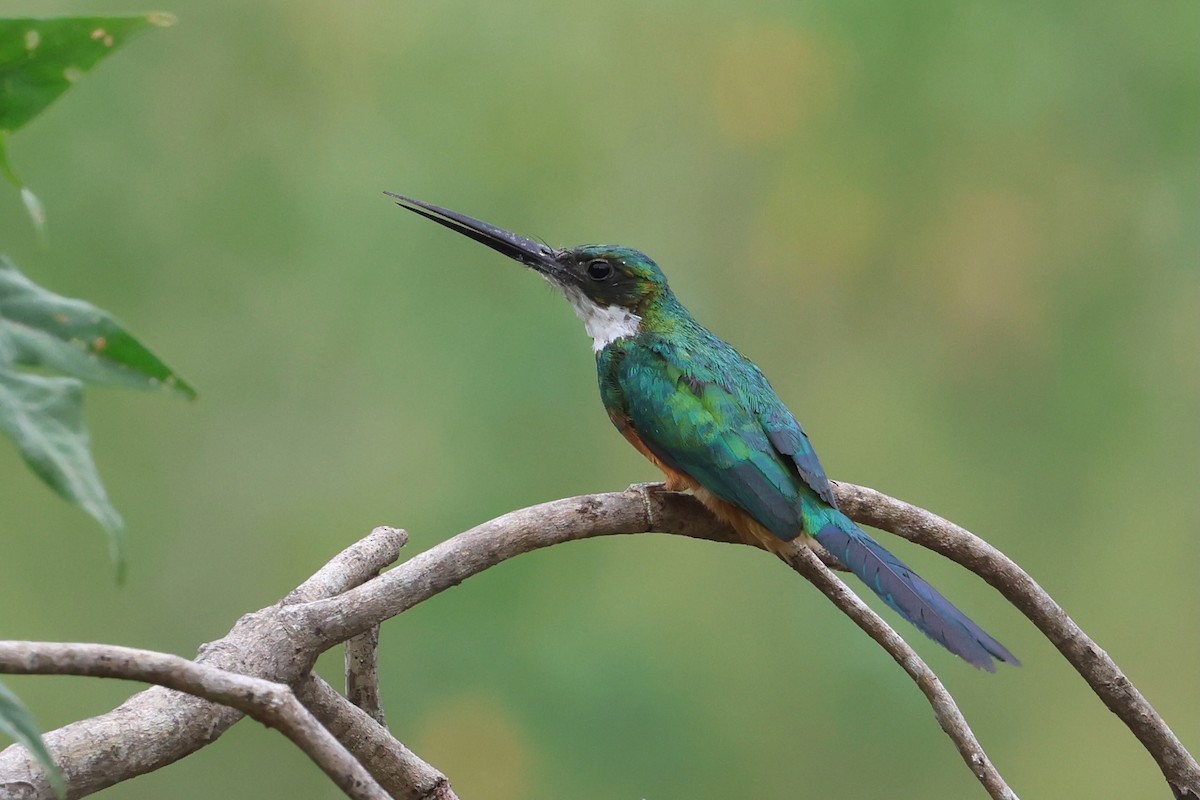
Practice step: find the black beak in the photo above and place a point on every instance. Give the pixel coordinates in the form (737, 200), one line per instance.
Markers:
(530, 253)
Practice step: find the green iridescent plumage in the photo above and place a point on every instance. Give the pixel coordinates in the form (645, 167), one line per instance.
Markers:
(705, 412)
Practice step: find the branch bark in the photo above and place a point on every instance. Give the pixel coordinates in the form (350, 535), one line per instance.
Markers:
(362, 673)
(400, 771)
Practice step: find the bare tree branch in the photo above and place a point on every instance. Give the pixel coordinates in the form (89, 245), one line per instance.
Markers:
(357, 564)
(539, 526)
(272, 704)
(362, 669)
(804, 561)
(1093, 664)
(404, 775)
(157, 727)
(280, 643)
(362, 673)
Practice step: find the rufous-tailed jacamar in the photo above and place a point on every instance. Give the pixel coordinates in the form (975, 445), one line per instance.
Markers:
(707, 417)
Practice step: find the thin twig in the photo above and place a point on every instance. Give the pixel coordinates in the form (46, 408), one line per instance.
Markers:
(272, 704)
(948, 715)
(362, 668)
(362, 673)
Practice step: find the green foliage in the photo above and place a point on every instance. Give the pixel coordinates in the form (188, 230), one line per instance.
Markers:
(40, 59)
(44, 414)
(41, 328)
(17, 723)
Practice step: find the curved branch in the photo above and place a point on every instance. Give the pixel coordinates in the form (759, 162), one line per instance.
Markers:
(349, 615)
(948, 715)
(1093, 664)
(272, 704)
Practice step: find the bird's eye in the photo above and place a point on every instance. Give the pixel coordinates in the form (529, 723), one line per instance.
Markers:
(599, 270)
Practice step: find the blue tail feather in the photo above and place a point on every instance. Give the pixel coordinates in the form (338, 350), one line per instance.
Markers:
(910, 595)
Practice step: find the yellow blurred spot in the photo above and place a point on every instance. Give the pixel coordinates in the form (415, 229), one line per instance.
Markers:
(72, 74)
(32, 39)
(822, 241)
(989, 249)
(99, 33)
(768, 78)
(99, 343)
(481, 746)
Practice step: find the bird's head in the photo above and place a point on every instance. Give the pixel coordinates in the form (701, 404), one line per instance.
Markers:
(610, 287)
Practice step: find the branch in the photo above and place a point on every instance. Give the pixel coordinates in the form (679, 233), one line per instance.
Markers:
(362, 673)
(272, 704)
(1091, 662)
(281, 642)
(486, 545)
(157, 727)
(642, 508)
(948, 715)
(401, 772)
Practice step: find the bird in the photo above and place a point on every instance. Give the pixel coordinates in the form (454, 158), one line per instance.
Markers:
(707, 417)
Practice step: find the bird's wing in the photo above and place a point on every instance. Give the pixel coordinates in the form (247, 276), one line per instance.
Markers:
(696, 426)
(785, 433)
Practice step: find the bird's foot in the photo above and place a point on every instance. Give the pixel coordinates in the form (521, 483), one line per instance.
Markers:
(657, 487)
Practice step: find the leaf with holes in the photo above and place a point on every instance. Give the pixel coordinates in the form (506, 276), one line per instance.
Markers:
(40, 328)
(43, 413)
(40, 59)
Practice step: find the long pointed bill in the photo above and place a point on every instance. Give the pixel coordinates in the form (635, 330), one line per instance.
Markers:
(530, 253)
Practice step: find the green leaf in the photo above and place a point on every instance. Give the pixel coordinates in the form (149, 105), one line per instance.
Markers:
(40, 328)
(41, 58)
(44, 416)
(17, 723)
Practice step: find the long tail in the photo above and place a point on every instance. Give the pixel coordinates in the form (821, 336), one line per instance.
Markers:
(908, 593)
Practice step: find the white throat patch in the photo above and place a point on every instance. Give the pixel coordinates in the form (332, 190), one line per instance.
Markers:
(605, 324)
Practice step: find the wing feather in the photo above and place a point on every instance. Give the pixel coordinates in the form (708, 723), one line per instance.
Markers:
(786, 435)
(695, 425)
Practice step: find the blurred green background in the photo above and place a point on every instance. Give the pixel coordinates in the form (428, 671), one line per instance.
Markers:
(961, 238)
